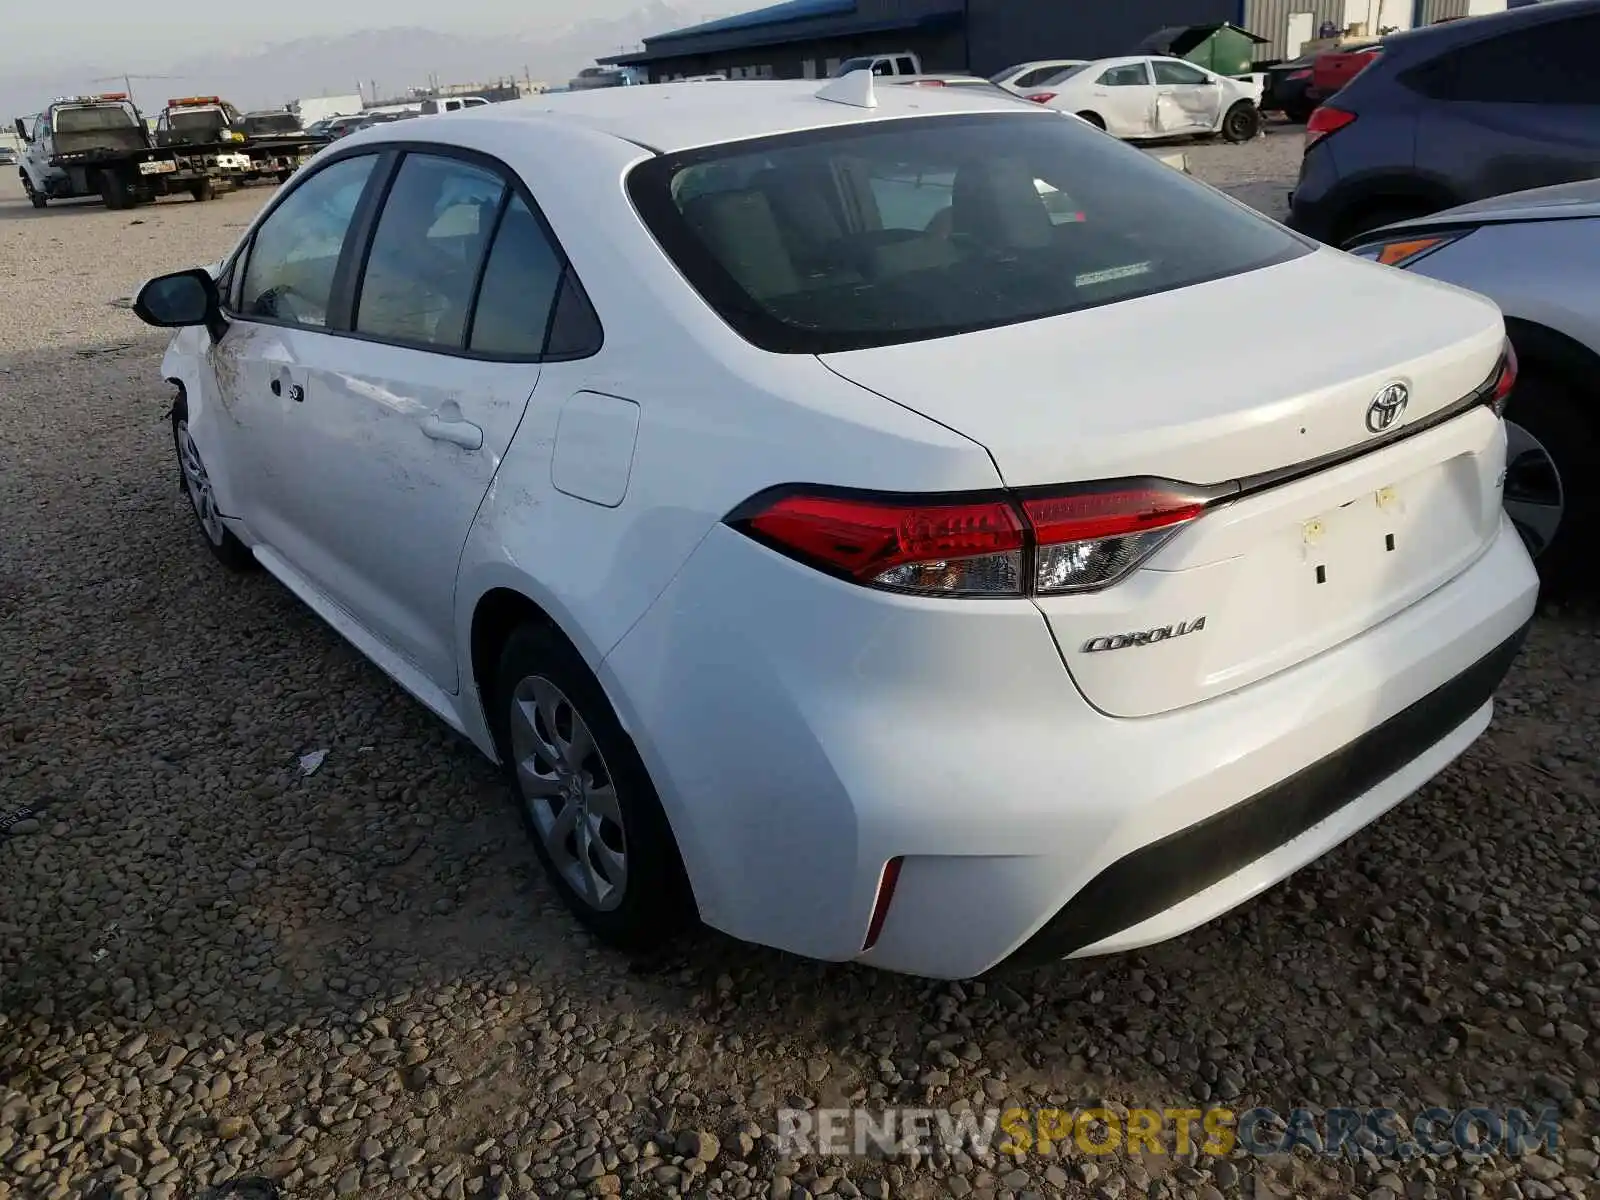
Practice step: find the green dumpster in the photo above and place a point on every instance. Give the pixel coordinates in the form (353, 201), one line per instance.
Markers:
(1224, 48)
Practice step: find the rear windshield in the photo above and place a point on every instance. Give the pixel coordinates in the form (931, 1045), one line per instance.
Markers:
(898, 231)
(93, 120)
(198, 118)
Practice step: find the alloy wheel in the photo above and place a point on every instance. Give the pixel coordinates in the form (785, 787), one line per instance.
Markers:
(569, 793)
(198, 485)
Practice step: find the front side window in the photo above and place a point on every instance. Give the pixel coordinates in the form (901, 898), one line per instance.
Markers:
(295, 252)
(424, 259)
(1128, 75)
(1170, 71)
(898, 231)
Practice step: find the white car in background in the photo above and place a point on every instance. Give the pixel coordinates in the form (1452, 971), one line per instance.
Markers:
(1153, 97)
(1536, 254)
(785, 494)
(1030, 76)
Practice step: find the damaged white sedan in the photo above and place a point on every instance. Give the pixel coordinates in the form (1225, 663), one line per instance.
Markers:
(1154, 97)
(780, 483)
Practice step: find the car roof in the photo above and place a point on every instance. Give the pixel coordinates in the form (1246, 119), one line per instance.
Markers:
(1443, 35)
(668, 117)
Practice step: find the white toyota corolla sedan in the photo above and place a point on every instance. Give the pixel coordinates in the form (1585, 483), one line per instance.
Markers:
(840, 544)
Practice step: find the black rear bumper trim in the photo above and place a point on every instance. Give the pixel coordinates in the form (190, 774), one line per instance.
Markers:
(1154, 878)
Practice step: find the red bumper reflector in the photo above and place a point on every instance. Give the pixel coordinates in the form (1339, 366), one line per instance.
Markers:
(880, 908)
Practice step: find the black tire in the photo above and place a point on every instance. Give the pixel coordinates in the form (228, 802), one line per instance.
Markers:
(220, 540)
(34, 198)
(284, 176)
(203, 190)
(1566, 422)
(1093, 119)
(114, 191)
(1298, 112)
(654, 904)
(1242, 122)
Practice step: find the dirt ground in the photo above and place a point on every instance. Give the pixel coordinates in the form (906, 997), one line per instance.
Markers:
(214, 966)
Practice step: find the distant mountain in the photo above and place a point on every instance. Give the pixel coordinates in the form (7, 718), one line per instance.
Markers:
(263, 76)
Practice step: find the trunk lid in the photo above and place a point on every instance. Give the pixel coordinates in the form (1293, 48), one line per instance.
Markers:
(1178, 386)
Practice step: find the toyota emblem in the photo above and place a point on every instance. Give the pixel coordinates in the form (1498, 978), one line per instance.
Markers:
(1387, 407)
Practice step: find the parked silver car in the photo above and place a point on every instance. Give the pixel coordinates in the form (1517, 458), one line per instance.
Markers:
(1536, 254)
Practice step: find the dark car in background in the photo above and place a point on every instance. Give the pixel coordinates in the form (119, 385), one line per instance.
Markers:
(1286, 88)
(1452, 113)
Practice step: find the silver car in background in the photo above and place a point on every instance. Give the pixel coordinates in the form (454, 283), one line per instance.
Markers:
(1537, 255)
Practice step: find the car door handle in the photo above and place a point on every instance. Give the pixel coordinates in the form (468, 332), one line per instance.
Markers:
(460, 433)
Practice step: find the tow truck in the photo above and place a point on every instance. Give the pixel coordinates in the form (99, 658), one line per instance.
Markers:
(277, 143)
(210, 126)
(99, 145)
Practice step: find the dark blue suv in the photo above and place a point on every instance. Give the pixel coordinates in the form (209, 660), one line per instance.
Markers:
(1452, 113)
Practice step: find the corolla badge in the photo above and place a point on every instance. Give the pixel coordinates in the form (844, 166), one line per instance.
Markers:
(1143, 637)
(1387, 407)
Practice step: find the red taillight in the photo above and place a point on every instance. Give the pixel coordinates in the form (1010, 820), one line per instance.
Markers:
(1324, 121)
(1506, 378)
(1090, 539)
(1306, 74)
(1042, 97)
(957, 549)
(1073, 541)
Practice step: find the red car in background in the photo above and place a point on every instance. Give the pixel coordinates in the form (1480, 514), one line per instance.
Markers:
(1335, 68)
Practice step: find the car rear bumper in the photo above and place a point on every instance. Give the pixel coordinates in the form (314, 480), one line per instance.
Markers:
(803, 731)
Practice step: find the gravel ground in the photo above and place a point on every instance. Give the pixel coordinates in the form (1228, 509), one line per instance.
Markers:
(354, 982)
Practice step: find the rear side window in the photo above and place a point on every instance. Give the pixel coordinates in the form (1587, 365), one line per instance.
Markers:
(1128, 75)
(425, 255)
(897, 231)
(1557, 62)
(519, 287)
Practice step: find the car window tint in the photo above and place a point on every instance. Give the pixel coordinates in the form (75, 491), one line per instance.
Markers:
(892, 232)
(575, 329)
(1130, 75)
(1553, 63)
(431, 236)
(289, 274)
(519, 286)
(1170, 72)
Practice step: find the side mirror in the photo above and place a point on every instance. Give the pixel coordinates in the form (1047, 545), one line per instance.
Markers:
(182, 299)
(22, 131)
